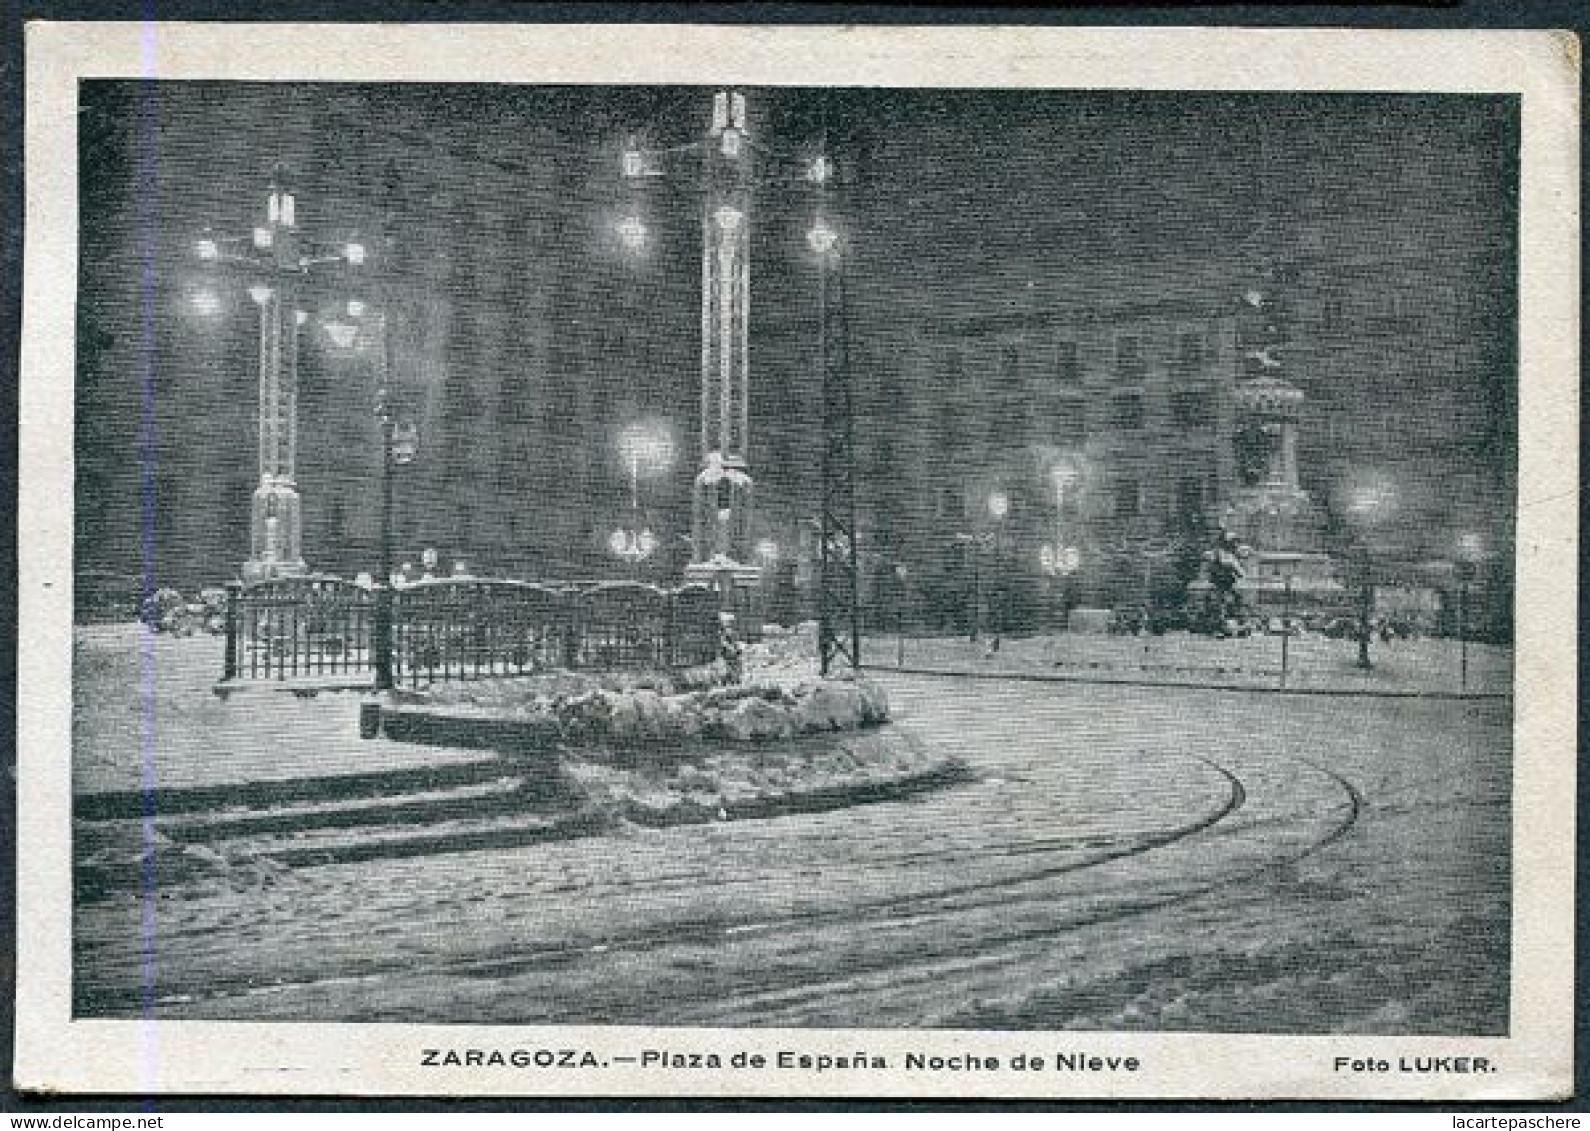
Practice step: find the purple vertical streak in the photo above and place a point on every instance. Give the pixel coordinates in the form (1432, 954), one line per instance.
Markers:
(147, 204)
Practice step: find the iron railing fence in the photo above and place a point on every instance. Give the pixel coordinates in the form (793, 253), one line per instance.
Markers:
(293, 627)
(320, 627)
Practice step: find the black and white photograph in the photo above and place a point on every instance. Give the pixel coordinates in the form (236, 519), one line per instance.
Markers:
(840, 565)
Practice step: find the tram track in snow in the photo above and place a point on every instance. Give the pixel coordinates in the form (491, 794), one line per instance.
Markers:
(1028, 888)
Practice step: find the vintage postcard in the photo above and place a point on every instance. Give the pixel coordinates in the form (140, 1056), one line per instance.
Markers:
(798, 561)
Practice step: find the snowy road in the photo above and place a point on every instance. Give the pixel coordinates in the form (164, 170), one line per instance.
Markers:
(1127, 858)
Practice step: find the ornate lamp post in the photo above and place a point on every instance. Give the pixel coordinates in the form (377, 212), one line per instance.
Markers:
(977, 543)
(721, 534)
(722, 553)
(998, 509)
(646, 449)
(278, 259)
(1367, 508)
(1060, 558)
(399, 445)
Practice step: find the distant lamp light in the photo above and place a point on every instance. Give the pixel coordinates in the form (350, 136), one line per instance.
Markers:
(207, 303)
(1059, 561)
(1371, 502)
(634, 163)
(262, 237)
(260, 293)
(356, 308)
(300, 317)
(998, 504)
(354, 253)
(767, 551)
(822, 238)
(208, 249)
(729, 219)
(632, 232)
(731, 143)
(342, 334)
(634, 546)
(820, 169)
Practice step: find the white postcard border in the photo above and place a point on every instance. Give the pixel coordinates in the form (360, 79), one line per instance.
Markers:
(56, 1053)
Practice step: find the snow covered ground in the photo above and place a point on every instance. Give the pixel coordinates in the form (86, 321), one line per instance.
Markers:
(1313, 663)
(1127, 857)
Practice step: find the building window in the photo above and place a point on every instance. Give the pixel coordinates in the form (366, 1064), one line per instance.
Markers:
(1129, 358)
(1191, 408)
(1126, 411)
(1191, 347)
(1128, 498)
(1067, 365)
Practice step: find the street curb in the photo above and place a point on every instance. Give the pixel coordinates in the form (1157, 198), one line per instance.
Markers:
(1188, 685)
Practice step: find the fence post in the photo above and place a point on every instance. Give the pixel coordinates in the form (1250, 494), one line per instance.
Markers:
(669, 659)
(234, 594)
(383, 635)
(1286, 629)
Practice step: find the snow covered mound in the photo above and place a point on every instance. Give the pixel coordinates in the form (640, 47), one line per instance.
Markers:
(582, 713)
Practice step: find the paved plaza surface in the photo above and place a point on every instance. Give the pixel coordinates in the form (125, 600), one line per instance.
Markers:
(1127, 857)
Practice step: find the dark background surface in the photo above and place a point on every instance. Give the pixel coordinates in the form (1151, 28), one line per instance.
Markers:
(1558, 14)
(526, 338)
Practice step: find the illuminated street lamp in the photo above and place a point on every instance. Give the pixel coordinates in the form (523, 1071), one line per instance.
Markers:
(1368, 507)
(997, 505)
(632, 233)
(821, 238)
(647, 448)
(633, 546)
(206, 303)
(277, 259)
(399, 446)
(1059, 561)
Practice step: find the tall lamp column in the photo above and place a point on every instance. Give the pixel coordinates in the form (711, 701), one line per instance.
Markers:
(278, 258)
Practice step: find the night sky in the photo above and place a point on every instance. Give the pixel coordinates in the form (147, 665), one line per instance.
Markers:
(495, 208)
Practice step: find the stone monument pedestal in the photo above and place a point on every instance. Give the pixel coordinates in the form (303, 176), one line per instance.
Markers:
(275, 541)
